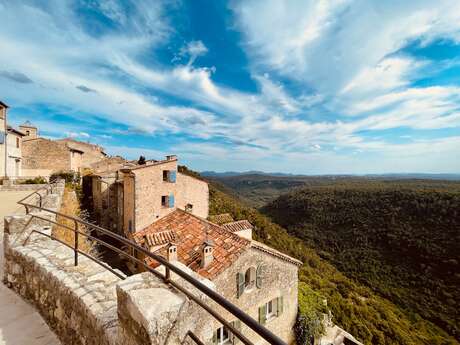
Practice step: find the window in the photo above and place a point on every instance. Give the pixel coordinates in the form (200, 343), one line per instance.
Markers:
(28, 133)
(17, 142)
(169, 176)
(222, 336)
(249, 278)
(188, 208)
(167, 200)
(270, 310)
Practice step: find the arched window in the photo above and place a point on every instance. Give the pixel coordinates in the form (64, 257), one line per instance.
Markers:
(250, 278)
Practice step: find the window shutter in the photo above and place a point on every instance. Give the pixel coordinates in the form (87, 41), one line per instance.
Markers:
(262, 314)
(237, 325)
(279, 306)
(172, 176)
(171, 200)
(239, 284)
(214, 337)
(260, 276)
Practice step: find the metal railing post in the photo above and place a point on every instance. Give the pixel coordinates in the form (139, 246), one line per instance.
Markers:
(76, 243)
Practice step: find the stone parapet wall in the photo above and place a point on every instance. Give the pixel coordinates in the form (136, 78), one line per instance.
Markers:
(78, 302)
(10, 187)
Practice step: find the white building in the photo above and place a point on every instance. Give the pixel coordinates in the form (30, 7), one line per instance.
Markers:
(10, 147)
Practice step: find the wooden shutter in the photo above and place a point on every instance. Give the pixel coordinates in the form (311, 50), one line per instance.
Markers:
(214, 336)
(279, 306)
(237, 325)
(262, 314)
(260, 276)
(171, 200)
(172, 176)
(239, 284)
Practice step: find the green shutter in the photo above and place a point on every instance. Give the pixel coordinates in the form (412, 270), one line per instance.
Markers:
(214, 337)
(279, 306)
(259, 276)
(237, 325)
(239, 284)
(262, 314)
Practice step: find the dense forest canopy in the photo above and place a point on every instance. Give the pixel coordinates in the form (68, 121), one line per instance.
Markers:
(391, 273)
(355, 307)
(402, 241)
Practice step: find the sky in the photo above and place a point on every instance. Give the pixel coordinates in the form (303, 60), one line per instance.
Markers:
(310, 87)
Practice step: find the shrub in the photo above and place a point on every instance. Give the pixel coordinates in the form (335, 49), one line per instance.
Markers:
(70, 177)
(312, 310)
(35, 180)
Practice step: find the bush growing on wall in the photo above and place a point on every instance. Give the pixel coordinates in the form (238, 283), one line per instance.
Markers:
(70, 177)
(36, 180)
(312, 309)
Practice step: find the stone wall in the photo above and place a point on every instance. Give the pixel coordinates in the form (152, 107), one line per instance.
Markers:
(278, 280)
(43, 154)
(92, 153)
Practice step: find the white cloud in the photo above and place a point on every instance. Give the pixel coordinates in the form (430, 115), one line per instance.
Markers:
(341, 55)
(193, 49)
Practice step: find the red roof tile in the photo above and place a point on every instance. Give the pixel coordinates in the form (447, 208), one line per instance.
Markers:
(190, 234)
(221, 218)
(238, 226)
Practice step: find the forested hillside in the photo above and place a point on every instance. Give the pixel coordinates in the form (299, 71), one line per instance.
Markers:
(356, 308)
(402, 239)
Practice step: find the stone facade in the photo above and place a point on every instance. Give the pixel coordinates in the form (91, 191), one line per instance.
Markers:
(147, 196)
(30, 131)
(42, 157)
(91, 153)
(279, 280)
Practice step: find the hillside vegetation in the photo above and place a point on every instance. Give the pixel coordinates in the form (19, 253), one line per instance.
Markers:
(356, 308)
(402, 239)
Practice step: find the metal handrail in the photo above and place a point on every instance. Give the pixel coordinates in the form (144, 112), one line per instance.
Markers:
(219, 299)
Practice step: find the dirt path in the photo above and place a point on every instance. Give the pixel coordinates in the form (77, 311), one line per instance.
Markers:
(20, 324)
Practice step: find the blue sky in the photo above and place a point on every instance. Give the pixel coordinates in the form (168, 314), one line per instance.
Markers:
(314, 87)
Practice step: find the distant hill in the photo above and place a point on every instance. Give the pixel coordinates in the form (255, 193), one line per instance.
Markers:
(259, 189)
(451, 177)
(399, 237)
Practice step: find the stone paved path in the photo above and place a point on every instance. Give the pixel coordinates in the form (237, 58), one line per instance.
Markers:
(20, 324)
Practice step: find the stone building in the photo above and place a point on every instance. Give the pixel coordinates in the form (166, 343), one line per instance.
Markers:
(155, 189)
(43, 157)
(258, 279)
(126, 197)
(10, 147)
(30, 131)
(92, 153)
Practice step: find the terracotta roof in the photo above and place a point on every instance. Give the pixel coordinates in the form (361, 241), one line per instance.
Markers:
(191, 232)
(158, 238)
(239, 225)
(269, 250)
(221, 218)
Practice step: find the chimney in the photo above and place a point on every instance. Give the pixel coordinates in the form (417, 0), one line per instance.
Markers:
(171, 157)
(172, 252)
(207, 253)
